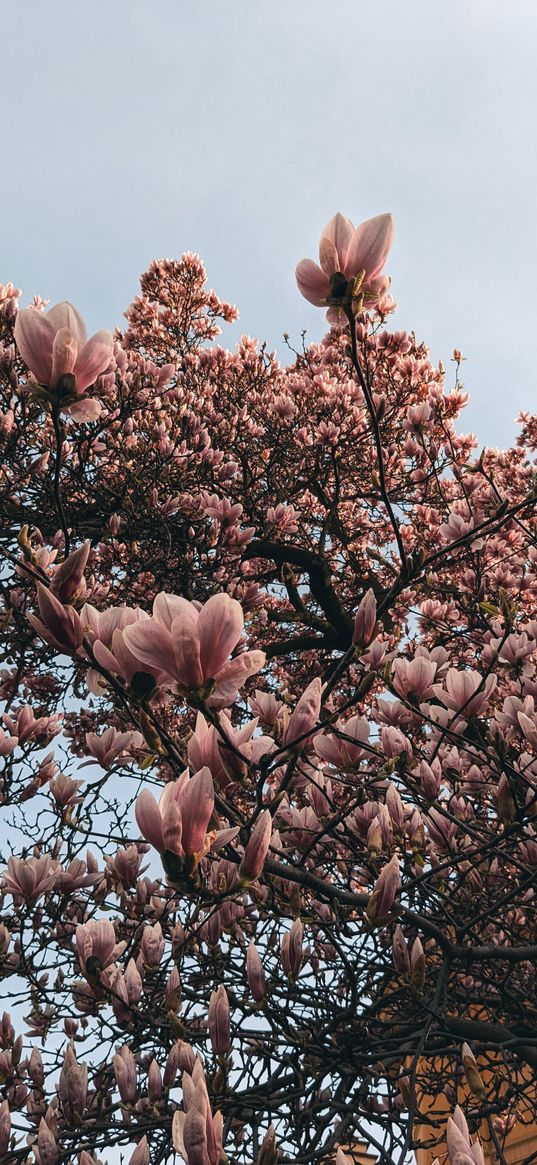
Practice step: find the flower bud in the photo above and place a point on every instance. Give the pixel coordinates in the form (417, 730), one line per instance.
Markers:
(257, 848)
(365, 621)
(255, 974)
(219, 1022)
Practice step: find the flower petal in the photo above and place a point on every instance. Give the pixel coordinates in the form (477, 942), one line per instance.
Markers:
(220, 627)
(64, 315)
(369, 247)
(64, 354)
(313, 284)
(335, 242)
(167, 607)
(34, 337)
(93, 359)
(151, 643)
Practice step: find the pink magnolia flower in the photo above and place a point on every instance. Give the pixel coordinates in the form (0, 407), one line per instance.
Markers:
(384, 892)
(304, 716)
(365, 621)
(192, 646)
(255, 973)
(460, 1149)
(125, 1073)
(292, 949)
(67, 580)
(196, 1133)
(177, 825)
(465, 691)
(59, 626)
(55, 347)
(257, 848)
(219, 1021)
(73, 1085)
(29, 879)
(96, 945)
(351, 261)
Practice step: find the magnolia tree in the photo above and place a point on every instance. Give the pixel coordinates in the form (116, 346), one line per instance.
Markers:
(269, 737)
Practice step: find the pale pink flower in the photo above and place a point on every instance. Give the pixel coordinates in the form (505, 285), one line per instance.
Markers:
(5, 1127)
(255, 973)
(7, 743)
(29, 879)
(292, 949)
(46, 1149)
(196, 1133)
(141, 1153)
(305, 716)
(59, 626)
(192, 646)
(177, 825)
(55, 347)
(219, 1021)
(465, 691)
(413, 677)
(73, 1085)
(365, 621)
(96, 945)
(112, 744)
(344, 749)
(460, 1149)
(125, 1073)
(67, 580)
(351, 261)
(257, 848)
(384, 892)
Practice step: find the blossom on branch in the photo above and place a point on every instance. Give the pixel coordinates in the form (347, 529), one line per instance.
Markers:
(55, 347)
(351, 260)
(192, 645)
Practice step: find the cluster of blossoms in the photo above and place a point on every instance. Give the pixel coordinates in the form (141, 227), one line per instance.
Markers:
(268, 736)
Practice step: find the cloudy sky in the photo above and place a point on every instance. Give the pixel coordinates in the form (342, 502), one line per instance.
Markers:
(135, 129)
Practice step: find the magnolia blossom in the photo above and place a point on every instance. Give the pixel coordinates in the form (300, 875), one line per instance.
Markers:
(177, 825)
(96, 945)
(460, 1149)
(192, 645)
(257, 848)
(55, 347)
(384, 892)
(29, 879)
(351, 260)
(196, 1133)
(219, 1021)
(59, 626)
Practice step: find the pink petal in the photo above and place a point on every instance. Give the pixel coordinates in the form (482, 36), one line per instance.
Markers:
(93, 359)
(149, 820)
(197, 804)
(186, 648)
(167, 607)
(151, 643)
(64, 354)
(335, 242)
(233, 675)
(336, 317)
(313, 284)
(86, 409)
(370, 246)
(104, 657)
(34, 336)
(64, 315)
(172, 829)
(220, 626)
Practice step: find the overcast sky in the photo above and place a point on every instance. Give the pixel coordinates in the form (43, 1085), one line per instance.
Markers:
(135, 129)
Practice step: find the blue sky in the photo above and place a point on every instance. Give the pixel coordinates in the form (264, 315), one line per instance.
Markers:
(136, 129)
